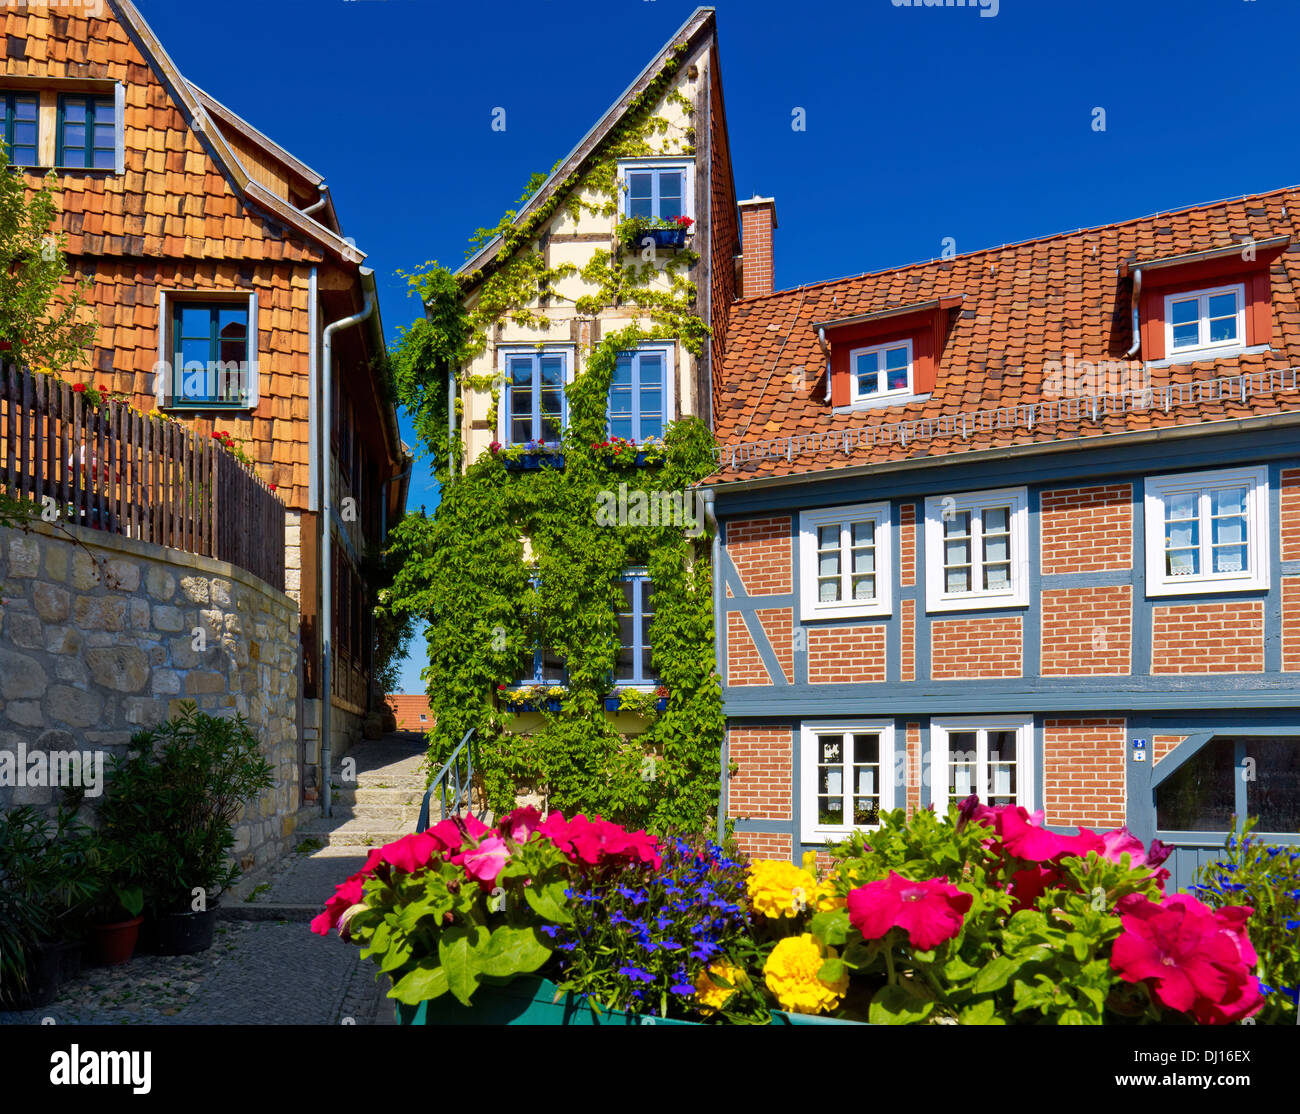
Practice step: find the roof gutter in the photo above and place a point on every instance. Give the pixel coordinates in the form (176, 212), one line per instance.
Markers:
(1137, 437)
(327, 531)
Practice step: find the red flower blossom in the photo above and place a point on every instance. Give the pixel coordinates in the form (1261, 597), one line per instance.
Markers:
(272, 487)
(216, 436)
(78, 388)
(412, 852)
(1191, 958)
(1028, 841)
(929, 912)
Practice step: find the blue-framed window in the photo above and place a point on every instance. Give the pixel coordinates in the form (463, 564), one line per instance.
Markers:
(635, 614)
(87, 137)
(656, 191)
(548, 667)
(211, 363)
(638, 394)
(22, 128)
(534, 405)
(1242, 776)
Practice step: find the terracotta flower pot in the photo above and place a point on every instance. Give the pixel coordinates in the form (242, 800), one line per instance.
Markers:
(111, 944)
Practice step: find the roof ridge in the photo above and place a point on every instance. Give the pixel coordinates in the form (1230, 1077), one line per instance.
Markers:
(1205, 205)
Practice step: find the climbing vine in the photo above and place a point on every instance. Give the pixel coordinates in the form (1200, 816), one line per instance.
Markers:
(513, 560)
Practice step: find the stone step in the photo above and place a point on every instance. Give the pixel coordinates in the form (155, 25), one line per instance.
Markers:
(387, 797)
(352, 833)
(376, 816)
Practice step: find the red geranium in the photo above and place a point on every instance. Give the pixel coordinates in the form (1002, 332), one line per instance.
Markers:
(1191, 958)
(929, 912)
(78, 388)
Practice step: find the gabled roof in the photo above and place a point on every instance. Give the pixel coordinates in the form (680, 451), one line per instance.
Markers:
(700, 23)
(1024, 306)
(204, 123)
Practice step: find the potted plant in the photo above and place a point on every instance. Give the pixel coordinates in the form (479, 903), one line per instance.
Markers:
(115, 927)
(636, 233)
(172, 801)
(529, 456)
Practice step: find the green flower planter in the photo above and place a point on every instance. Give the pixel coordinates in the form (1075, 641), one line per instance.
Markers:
(532, 1001)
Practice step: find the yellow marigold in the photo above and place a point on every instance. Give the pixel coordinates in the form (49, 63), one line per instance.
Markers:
(777, 888)
(791, 975)
(713, 997)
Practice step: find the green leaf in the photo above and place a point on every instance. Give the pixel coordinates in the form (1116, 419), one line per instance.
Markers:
(892, 1005)
(398, 955)
(957, 969)
(832, 971)
(512, 951)
(983, 1012)
(456, 948)
(831, 928)
(548, 902)
(994, 975)
(427, 981)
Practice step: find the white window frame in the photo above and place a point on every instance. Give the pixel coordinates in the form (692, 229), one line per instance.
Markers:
(937, 597)
(856, 396)
(504, 351)
(810, 607)
(1203, 347)
(941, 729)
(810, 829)
(1254, 578)
(164, 373)
(685, 165)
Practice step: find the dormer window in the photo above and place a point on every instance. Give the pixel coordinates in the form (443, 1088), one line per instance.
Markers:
(1205, 320)
(883, 369)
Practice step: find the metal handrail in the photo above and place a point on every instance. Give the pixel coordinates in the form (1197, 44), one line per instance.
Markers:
(451, 768)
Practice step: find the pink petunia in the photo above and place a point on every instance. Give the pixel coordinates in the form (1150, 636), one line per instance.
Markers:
(412, 852)
(1026, 840)
(346, 894)
(485, 861)
(929, 912)
(520, 824)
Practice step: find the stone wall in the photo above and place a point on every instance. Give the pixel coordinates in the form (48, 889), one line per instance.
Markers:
(102, 635)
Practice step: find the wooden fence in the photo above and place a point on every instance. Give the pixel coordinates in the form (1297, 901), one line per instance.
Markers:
(110, 468)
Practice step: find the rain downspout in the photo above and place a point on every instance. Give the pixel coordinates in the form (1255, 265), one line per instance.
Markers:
(1137, 295)
(327, 548)
(319, 203)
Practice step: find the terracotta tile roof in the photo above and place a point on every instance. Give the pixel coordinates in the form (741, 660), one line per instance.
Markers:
(1024, 305)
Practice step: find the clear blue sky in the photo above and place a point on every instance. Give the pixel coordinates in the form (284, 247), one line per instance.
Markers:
(922, 123)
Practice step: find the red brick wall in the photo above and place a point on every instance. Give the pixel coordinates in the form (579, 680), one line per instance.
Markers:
(763, 782)
(1290, 623)
(843, 655)
(1083, 772)
(1208, 638)
(765, 845)
(724, 226)
(1086, 630)
(907, 640)
(761, 550)
(975, 648)
(778, 625)
(907, 544)
(1087, 529)
(1161, 745)
(912, 778)
(744, 665)
(1290, 525)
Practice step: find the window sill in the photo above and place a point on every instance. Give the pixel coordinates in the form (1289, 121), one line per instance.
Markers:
(1208, 355)
(815, 614)
(1206, 587)
(881, 403)
(612, 704)
(977, 603)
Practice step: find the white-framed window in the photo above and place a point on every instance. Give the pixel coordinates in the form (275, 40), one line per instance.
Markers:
(991, 757)
(882, 369)
(534, 407)
(845, 565)
(846, 777)
(1207, 531)
(977, 550)
(207, 350)
(1205, 321)
(656, 188)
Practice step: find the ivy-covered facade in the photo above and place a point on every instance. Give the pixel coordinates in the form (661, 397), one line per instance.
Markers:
(562, 381)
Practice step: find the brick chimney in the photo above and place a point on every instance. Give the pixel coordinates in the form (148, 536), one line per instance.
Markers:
(757, 221)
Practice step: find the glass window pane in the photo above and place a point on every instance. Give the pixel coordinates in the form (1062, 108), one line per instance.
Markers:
(1223, 329)
(640, 194)
(74, 111)
(867, 373)
(830, 779)
(24, 108)
(1181, 313)
(1228, 500)
(1199, 795)
(521, 371)
(1273, 794)
(552, 370)
(962, 763)
(1223, 305)
(1187, 336)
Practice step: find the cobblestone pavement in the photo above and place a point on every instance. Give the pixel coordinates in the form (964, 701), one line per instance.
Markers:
(256, 973)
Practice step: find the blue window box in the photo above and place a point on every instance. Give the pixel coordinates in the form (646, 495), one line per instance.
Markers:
(612, 705)
(547, 705)
(531, 462)
(660, 237)
(530, 1000)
